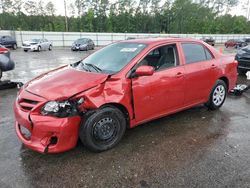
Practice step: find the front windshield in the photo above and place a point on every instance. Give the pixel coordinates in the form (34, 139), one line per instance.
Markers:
(81, 41)
(35, 40)
(111, 59)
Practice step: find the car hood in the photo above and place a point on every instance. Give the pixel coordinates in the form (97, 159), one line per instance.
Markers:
(80, 44)
(29, 43)
(63, 83)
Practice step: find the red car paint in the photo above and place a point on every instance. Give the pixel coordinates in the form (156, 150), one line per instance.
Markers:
(143, 98)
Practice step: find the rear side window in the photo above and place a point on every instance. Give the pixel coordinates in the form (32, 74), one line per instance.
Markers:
(195, 53)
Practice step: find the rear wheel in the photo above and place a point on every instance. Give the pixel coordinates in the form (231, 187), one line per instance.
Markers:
(217, 96)
(14, 46)
(50, 47)
(25, 50)
(1, 73)
(103, 129)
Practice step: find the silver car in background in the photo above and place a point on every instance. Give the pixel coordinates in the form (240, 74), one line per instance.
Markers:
(37, 45)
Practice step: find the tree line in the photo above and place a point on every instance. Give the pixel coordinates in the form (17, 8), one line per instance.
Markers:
(132, 16)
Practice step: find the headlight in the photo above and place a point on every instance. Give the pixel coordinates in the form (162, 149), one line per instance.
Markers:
(61, 108)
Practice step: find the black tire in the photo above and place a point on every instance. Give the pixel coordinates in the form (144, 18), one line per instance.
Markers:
(50, 47)
(39, 48)
(25, 50)
(103, 129)
(1, 73)
(214, 103)
(226, 46)
(14, 47)
(241, 71)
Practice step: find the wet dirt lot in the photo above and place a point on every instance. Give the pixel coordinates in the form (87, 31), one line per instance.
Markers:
(193, 148)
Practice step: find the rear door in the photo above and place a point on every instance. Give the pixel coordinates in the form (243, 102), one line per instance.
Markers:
(199, 77)
(162, 92)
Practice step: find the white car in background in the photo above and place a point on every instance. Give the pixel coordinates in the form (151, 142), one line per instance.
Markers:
(37, 45)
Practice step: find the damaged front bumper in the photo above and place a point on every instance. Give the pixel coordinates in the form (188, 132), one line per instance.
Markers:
(45, 134)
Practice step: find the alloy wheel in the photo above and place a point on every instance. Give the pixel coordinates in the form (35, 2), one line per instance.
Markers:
(219, 95)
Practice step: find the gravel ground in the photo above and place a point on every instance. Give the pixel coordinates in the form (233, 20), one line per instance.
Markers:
(193, 148)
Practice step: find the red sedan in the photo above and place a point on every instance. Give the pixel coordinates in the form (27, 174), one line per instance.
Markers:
(120, 86)
(236, 43)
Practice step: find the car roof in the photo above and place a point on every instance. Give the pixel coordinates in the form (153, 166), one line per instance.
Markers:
(161, 40)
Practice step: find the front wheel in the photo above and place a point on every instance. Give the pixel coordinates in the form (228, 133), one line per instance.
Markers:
(217, 96)
(103, 129)
(50, 47)
(14, 46)
(39, 48)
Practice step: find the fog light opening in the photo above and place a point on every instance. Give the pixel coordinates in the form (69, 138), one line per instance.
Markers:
(53, 140)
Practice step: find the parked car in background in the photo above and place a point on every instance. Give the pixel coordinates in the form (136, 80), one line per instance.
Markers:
(37, 45)
(247, 40)
(236, 43)
(130, 38)
(8, 42)
(209, 40)
(243, 57)
(83, 44)
(6, 64)
(120, 86)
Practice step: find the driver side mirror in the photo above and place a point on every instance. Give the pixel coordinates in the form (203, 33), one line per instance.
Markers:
(144, 71)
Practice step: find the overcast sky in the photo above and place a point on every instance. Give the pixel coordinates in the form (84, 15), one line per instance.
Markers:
(59, 4)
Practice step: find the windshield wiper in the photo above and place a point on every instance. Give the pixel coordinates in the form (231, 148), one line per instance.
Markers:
(94, 67)
(86, 68)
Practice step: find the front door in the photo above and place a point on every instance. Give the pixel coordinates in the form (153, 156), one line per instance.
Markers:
(162, 92)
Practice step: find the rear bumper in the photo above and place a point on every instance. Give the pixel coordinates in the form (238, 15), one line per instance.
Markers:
(10, 65)
(43, 129)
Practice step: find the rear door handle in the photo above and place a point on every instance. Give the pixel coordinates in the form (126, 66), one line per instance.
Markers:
(179, 74)
(213, 66)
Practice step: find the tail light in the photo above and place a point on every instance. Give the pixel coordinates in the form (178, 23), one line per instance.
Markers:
(235, 62)
(3, 50)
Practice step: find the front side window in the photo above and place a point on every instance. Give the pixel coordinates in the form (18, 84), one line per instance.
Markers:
(162, 57)
(194, 53)
(111, 59)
